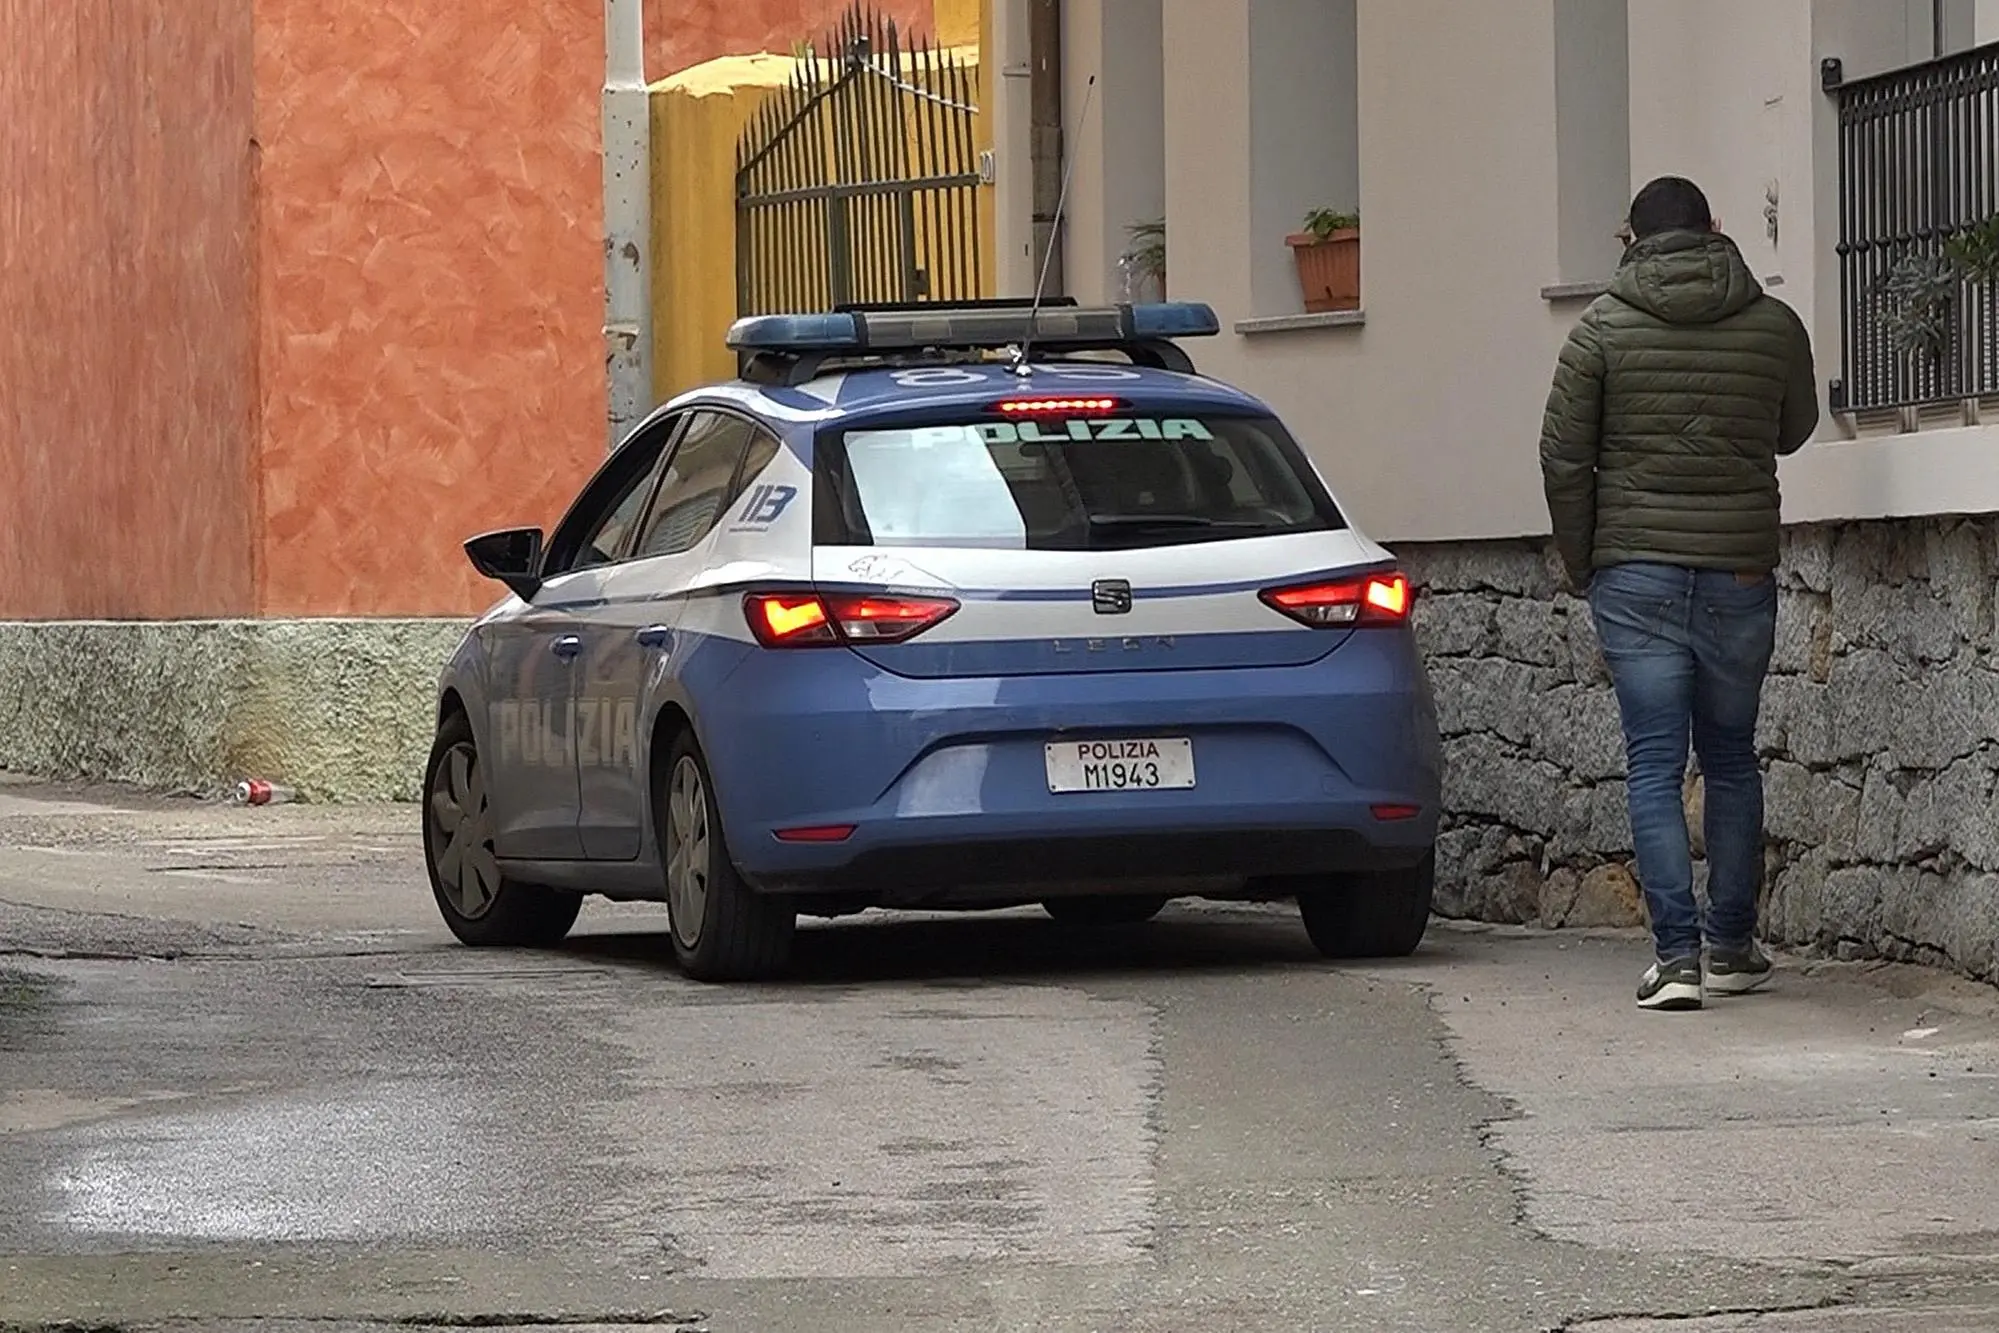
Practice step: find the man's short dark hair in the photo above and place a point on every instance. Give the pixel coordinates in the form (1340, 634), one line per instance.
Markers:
(1670, 203)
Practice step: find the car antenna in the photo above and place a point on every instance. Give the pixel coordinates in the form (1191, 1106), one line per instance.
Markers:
(1020, 353)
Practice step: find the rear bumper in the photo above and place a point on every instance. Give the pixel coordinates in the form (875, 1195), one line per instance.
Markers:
(944, 786)
(999, 866)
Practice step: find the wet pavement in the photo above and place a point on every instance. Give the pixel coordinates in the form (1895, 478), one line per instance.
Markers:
(245, 1077)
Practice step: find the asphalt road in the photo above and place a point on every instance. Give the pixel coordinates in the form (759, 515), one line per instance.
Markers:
(245, 1078)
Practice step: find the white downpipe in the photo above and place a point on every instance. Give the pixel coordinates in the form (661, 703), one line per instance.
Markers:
(1013, 148)
(627, 218)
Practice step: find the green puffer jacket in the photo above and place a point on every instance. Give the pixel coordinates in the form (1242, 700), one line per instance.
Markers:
(1674, 397)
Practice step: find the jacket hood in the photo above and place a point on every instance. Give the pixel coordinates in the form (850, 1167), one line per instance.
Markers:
(1686, 277)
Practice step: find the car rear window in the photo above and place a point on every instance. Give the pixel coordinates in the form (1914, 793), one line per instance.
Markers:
(1080, 483)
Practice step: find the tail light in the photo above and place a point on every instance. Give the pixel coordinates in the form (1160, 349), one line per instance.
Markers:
(1372, 599)
(819, 620)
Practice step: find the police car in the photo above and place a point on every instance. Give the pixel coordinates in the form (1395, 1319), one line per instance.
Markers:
(960, 606)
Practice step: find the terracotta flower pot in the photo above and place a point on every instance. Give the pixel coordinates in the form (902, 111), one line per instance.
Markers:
(1328, 270)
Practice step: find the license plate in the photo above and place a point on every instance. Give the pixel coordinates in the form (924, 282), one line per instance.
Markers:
(1154, 764)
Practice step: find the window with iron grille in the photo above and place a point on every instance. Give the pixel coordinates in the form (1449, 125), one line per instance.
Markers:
(1919, 232)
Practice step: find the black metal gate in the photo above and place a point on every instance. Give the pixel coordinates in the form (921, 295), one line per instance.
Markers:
(858, 182)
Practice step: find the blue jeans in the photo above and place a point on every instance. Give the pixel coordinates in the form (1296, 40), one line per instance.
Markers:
(1687, 651)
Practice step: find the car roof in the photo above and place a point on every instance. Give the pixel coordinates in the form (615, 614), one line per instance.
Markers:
(855, 396)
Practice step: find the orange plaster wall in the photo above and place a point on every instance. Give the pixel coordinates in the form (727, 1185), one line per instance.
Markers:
(126, 312)
(681, 34)
(432, 279)
(298, 294)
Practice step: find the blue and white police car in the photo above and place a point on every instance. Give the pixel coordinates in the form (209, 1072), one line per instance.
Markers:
(960, 606)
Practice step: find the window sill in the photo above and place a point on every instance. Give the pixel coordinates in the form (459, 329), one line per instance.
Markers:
(1575, 291)
(1331, 319)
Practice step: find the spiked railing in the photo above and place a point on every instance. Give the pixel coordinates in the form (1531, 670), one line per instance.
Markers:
(858, 181)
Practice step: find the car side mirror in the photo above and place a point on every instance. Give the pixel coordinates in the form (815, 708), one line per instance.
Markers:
(511, 556)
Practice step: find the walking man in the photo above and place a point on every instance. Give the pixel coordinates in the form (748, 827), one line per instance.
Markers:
(1673, 398)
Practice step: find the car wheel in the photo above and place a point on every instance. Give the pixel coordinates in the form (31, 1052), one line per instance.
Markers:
(480, 905)
(723, 930)
(1378, 915)
(1108, 910)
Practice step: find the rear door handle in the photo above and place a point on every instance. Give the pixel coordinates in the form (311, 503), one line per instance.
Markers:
(567, 646)
(654, 636)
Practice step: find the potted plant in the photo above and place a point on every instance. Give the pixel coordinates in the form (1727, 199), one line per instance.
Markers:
(1328, 257)
(1144, 261)
(1917, 301)
(1975, 251)
(1916, 304)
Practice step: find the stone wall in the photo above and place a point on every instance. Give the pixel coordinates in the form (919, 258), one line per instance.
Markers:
(1880, 734)
(342, 709)
(1880, 731)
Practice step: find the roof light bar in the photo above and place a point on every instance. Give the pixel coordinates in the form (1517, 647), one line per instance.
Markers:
(972, 328)
(794, 333)
(1175, 319)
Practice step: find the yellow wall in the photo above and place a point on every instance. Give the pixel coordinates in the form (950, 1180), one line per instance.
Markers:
(697, 118)
(960, 22)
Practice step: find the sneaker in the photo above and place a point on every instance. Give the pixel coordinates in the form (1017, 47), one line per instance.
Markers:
(1737, 971)
(1672, 985)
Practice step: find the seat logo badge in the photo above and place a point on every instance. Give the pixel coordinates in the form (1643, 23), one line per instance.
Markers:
(1111, 597)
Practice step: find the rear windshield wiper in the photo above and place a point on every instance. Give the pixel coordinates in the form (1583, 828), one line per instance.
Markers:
(1170, 521)
(1114, 525)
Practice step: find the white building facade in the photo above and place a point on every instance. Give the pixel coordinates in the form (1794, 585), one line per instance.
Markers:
(1490, 148)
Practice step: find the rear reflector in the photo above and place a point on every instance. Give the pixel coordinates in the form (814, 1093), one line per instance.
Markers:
(1375, 599)
(1395, 814)
(808, 620)
(823, 833)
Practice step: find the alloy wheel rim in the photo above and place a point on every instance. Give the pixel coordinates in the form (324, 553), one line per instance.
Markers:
(462, 856)
(687, 851)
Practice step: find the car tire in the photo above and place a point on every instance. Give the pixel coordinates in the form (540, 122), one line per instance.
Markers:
(481, 906)
(722, 929)
(1106, 910)
(1378, 915)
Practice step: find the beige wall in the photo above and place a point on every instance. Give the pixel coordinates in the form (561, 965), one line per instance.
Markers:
(1207, 152)
(1425, 416)
(1117, 142)
(1425, 409)
(1304, 147)
(1742, 121)
(1592, 134)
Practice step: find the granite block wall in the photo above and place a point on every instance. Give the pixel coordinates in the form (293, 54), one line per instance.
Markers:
(1880, 736)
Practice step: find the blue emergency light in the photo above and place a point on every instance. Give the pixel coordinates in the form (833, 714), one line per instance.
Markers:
(1175, 319)
(972, 328)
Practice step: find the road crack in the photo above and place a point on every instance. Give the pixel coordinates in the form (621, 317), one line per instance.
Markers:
(1582, 1323)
